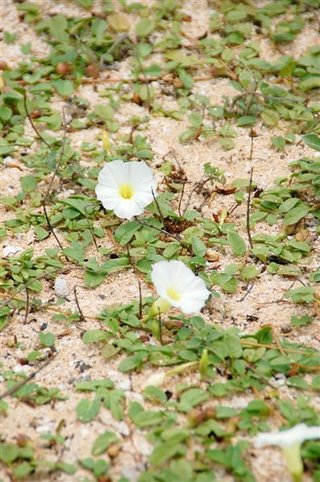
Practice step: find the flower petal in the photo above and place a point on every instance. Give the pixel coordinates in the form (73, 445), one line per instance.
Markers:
(140, 175)
(108, 197)
(143, 198)
(127, 209)
(189, 306)
(114, 173)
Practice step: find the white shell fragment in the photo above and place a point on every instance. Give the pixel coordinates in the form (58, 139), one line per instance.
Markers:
(11, 250)
(61, 287)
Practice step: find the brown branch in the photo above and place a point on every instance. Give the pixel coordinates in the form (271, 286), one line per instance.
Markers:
(248, 210)
(248, 290)
(81, 315)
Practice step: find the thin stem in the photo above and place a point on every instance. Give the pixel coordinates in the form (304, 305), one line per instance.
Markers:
(180, 200)
(27, 306)
(140, 300)
(248, 210)
(91, 230)
(158, 207)
(31, 121)
(81, 315)
(51, 228)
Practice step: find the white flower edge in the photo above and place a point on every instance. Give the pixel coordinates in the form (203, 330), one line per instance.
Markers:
(287, 438)
(179, 286)
(290, 441)
(126, 187)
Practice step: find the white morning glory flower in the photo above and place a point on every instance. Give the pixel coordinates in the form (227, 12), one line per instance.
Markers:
(297, 434)
(126, 187)
(178, 286)
(290, 441)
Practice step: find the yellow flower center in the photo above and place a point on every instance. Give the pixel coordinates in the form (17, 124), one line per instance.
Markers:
(126, 191)
(173, 294)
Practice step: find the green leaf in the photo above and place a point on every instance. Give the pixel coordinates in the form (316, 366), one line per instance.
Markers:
(94, 385)
(246, 120)
(41, 233)
(28, 183)
(191, 398)
(198, 246)
(102, 442)
(75, 251)
(68, 469)
(232, 346)
(132, 362)
(87, 410)
(312, 140)
(94, 336)
(298, 382)
(304, 294)
(310, 83)
(302, 320)
(125, 232)
(296, 214)
(104, 111)
(316, 383)
(22, 470)
(63, 87)
(257, 408)
(144, 27)
(148, 418)
(237, 244)
(8, 453)
(270, 117)
(98, 467)
(249, 272)
(118, 22)
(58, 26)
(46, 339)
(165, 451)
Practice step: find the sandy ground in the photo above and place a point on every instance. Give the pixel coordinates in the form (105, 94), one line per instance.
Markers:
(259, 308)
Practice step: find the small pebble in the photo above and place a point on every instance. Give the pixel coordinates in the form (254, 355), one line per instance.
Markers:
(82, 366)
(124, 384)
(286, 329)
(123, 429)
(279, 380)
(280, 376)
(131, 473)
(61, 287)
(46, 427)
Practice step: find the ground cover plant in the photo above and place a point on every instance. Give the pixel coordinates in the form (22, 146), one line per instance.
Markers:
(160, 205)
